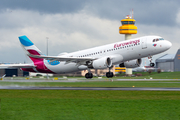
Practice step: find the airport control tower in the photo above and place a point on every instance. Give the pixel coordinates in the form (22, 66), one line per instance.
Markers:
(128, 28)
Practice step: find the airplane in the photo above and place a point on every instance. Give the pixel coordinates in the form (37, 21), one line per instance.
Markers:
(144, 69)
(125, 53)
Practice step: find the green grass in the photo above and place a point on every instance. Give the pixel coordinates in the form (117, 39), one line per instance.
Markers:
(93, 105)
(89, 105)
(154, 75)
(106, 83)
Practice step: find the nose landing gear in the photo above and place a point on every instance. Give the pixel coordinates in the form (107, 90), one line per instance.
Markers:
(151, 63)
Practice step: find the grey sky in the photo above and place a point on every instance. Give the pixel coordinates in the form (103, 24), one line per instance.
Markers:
(109, 9)
(78, 24)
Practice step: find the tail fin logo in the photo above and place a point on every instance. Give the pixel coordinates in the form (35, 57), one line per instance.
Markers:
(30, 48)
(25, 41)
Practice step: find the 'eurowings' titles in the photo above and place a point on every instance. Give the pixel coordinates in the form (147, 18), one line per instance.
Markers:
(126, 43)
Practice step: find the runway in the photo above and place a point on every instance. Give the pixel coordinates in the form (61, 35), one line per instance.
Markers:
(19, 87)
(82, 80)
(89, 88)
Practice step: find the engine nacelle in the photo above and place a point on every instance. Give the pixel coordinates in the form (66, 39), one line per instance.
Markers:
(102, 63)
(131, 64)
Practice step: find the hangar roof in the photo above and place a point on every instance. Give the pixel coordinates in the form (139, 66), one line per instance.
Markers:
(166, 58)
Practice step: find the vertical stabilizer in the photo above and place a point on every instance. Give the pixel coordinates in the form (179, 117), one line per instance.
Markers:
(30, 48)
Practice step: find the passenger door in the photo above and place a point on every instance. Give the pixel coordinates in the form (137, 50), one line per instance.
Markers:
(144, 43)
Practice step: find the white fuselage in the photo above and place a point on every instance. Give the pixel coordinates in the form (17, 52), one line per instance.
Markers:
(119, 52)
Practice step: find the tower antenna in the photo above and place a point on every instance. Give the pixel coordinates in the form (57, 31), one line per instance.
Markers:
(132, 14)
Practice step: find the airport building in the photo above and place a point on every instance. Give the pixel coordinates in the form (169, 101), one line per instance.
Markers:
(128, 28)
(169, 62)
(13, 72)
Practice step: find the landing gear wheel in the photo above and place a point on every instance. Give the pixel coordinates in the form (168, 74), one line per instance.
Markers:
(109, 74)
(150, 60)
(89, 75)
(152, 64)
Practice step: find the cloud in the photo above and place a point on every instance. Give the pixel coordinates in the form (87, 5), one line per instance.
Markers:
(72, 26)
(66, 32)
(45, 6)
(150, 12)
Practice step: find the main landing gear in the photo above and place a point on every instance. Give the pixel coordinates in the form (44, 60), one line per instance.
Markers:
(109, 74)
(151, 63)
(89, 75)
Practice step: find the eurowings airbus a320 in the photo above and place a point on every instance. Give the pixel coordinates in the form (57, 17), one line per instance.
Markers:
(125, 53)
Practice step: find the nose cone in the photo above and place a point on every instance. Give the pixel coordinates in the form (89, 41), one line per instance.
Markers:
(168, 44)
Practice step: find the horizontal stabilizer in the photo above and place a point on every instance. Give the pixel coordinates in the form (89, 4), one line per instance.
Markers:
(3, 66)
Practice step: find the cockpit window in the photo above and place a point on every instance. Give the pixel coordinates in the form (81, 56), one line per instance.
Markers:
(161, 39)
(157, 39)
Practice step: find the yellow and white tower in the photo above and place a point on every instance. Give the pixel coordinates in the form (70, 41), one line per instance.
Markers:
(128, 28)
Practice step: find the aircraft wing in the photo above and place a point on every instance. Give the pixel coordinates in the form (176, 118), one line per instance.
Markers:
(61, 58)
(2, 66)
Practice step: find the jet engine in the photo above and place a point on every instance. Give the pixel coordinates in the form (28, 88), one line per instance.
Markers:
(131, 64)
(102, 63)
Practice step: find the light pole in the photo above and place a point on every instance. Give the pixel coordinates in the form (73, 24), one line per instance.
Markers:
(47, 46)
(47, 53)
